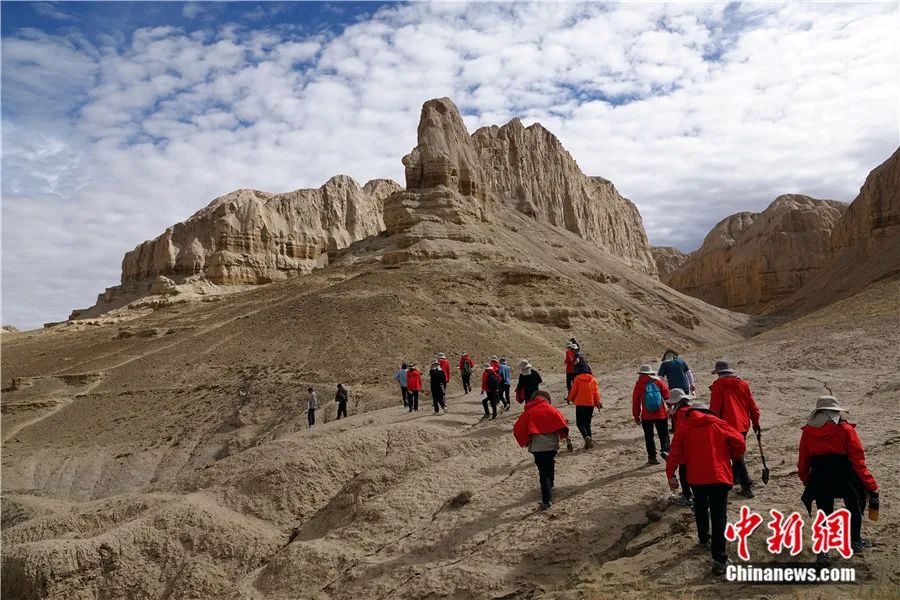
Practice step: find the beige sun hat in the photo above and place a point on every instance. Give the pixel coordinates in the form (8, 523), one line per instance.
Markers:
(677, 395)
(827, 409)
(488, 366)
(646, 370)
(442, 355)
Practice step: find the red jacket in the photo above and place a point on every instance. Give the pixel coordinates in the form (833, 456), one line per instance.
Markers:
(570, 361)
(414, 380)
(539, 417)
(730, 399)
(466, 359)
(445, 367)
(495, 365)
(484, 379)
(638, 409)
(706, 445)
(584, 391)
(678, 416)
(831, 438)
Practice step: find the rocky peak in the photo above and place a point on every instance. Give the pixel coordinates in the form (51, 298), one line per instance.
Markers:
(667, 259)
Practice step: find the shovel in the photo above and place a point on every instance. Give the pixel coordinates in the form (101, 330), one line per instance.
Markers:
(765, 471)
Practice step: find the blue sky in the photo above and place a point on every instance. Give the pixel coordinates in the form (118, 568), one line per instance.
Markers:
(120, 119)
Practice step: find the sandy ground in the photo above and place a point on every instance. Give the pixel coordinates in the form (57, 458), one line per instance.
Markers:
(364, 507)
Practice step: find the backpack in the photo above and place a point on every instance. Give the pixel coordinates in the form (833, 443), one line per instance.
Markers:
(466, 368)
(652, 396)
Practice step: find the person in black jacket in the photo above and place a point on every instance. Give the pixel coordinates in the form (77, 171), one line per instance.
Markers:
(341, 398)
(490, 390)
(529, 381)
(438, 386)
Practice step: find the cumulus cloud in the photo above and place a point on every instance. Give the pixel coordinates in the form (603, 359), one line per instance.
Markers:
(695, 111)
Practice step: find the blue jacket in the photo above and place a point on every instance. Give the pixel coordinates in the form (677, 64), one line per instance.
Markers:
(400, 376)
(676, 373)
(505, 373)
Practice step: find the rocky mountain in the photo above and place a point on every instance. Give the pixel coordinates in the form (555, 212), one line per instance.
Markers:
(250, 237)
(864, 244)
(749, 262)
(667, 259)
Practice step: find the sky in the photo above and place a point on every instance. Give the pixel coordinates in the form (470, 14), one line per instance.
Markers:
(120, 119)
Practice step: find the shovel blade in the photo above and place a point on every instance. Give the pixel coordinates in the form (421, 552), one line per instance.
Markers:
(765, 475)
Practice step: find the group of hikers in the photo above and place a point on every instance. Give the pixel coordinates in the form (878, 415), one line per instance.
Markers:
(704, 458)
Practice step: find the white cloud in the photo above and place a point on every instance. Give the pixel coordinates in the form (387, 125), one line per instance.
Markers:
(52, 11)
(107, 143)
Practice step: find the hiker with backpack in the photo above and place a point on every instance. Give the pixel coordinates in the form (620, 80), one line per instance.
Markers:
(490, 389)
(586, 395)
(414, 386)
(649, 411)
(707, 445)
(466, 364)
(529, 381)
(341, 397)
(505, 382)
(679, 402)
(311, 402)
(731, 400)
(400, 376)
(677, 372)
(445, 367)
(832, 464)
(570, 364)
(438, 387)
(540, 427)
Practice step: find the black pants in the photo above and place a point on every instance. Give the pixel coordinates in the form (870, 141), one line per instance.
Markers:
(403, 394)
(739, 467)
(412, 400)
(311, 417)
(546, 463)
(342, 409)
(682, 477)
(711, 503)
(570, 377)
(491, 399)
(437, 398)
(825, 503)
(467, 383)
(583, 417)
(504, 394)
(662, 429)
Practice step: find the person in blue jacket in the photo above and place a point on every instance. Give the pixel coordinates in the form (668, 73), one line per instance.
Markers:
(505, 381)
(677, 372)
(400, 376)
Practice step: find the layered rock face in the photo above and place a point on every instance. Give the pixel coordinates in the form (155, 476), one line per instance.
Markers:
(750, 262)
(667, 259)
(528, 169)
(253, 237)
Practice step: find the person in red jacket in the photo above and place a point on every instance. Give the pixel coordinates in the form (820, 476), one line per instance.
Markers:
(466, 365)
(832, 464)
(649, 411)
(445, 367)
(571, 355)
(731, 400)
(495, 364)
(679, 402)
(490, 390)
(540, 427)
(413, 387)
(707, 445)
(586, 396)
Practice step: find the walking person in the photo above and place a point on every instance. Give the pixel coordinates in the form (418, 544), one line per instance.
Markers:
(679, 402)
(341, 397)
(445, 367)
(400, 376)
(529, 381)
(540, 427)
(649, 411)
(731, 400)
(490, 388)
(466, 364)
(414, 386)
(505, 381)
(311, 402)
(586, 395)
(707, 445)
(495, 364)
(677, 372)
(832, 464)
(570, 364)
(438, 387)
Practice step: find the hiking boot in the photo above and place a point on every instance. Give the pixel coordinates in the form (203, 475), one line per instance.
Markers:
(445, 411)
(685, 502)
(485, 417)
(588, 442)
(664, 454)
(719, 568)
(652, 461)
(545, 505)
(746, 492)
(493, 416)
(859, 545)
